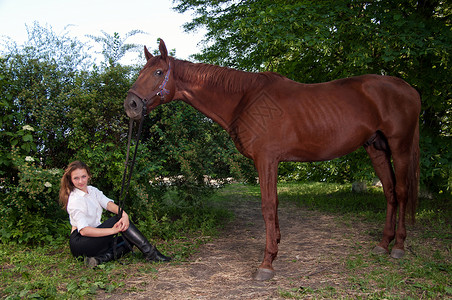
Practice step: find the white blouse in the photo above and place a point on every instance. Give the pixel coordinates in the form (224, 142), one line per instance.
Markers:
(85, 209)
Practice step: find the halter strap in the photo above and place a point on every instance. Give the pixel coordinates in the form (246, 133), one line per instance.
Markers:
(161, 91)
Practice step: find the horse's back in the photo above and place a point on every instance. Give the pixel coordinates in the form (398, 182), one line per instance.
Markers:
(373, 97)
(371, 85)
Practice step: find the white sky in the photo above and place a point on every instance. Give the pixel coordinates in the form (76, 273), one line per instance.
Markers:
(91, 16)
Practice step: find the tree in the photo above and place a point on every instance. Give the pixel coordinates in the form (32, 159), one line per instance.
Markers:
(114, 48)
(314, 41)
(13, 131)
(41, 75)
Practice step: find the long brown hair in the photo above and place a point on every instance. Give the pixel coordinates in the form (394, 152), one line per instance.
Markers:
(66, 185)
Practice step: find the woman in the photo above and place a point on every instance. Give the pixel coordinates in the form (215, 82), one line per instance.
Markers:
(89, 237)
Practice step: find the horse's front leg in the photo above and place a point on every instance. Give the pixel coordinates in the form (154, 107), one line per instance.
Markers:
(268, 180)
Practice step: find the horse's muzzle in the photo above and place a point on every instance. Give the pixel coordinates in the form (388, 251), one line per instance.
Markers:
(133, 106)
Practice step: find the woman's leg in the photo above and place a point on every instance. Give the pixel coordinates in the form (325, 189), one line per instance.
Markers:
(135, 237)
(99, 247)
(93, 246)
(121, 249)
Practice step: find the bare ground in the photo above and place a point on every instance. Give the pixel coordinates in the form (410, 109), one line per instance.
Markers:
(311, 256)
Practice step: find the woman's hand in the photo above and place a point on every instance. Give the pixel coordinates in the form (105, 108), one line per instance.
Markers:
(123, 223)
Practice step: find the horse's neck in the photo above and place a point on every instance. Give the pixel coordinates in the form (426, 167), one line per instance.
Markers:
(219, 110)
(215, 103)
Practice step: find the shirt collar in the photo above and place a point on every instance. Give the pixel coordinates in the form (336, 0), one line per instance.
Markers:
(81, 193)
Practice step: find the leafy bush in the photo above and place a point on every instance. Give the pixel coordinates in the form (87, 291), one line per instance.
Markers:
(29, 212)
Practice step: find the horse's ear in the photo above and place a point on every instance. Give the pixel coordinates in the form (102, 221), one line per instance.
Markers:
(147, 54)
(163, 51)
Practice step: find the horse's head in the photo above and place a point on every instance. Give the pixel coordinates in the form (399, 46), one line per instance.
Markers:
(154, 85)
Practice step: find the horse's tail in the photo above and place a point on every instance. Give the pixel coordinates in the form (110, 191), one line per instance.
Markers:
(413, 177)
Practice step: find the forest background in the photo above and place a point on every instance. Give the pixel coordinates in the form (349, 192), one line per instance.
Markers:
(58, 105)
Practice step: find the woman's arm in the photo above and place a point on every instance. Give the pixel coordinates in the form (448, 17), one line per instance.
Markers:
(112, 207)
(99, 232)
(120, 226)
(123, 223)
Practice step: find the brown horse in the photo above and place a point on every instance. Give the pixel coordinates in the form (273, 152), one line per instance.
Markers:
(272, 119)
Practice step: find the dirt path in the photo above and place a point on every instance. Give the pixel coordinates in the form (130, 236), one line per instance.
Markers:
(311, 257)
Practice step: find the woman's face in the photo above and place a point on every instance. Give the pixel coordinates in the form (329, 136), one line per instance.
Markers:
(79, 178)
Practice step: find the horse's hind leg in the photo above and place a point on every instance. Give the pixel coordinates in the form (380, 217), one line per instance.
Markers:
(381, 160)
(401, 161)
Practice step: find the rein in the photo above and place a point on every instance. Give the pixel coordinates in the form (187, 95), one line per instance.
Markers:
(128, 169)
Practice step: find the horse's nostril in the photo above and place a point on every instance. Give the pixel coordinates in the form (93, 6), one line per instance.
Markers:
(133, 104)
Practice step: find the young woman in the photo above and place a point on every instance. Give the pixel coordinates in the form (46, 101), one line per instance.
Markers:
(89, 237)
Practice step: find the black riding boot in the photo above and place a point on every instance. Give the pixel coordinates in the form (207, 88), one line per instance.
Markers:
(135, 237)
(121, 249)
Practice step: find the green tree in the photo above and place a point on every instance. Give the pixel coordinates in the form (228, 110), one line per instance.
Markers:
(14, 132)
(314, 41)
(41, 75)
(114, 47)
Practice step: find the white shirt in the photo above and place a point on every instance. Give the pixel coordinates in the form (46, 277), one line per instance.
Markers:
(85, 209)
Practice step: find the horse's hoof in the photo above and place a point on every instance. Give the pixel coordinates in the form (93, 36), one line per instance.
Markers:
(379, 250)
(264, 274)
(397, 253)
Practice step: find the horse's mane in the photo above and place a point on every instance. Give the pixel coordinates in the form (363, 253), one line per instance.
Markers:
(230, 80)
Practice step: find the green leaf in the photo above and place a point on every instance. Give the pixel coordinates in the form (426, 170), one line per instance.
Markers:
(27, 138)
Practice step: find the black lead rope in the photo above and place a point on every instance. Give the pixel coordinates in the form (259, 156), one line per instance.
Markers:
(125, 185)
(128, 172)
(124, 175)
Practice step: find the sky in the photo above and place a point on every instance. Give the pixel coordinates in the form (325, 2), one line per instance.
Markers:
(155, 17)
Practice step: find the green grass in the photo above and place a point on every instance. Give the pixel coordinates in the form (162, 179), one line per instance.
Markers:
(51, 272)
(424, 273)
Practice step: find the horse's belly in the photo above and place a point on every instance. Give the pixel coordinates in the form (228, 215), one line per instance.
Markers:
(304, 130)
(288, 143)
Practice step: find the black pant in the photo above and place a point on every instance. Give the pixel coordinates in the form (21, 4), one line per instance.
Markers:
(93, 246)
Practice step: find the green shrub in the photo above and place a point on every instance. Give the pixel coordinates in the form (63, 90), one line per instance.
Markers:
(29, 211)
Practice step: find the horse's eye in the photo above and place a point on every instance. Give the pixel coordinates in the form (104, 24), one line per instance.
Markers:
(158, 73)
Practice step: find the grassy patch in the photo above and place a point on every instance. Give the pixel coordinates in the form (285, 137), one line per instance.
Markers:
(336, 198)
(52, 272)
(424, 273)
